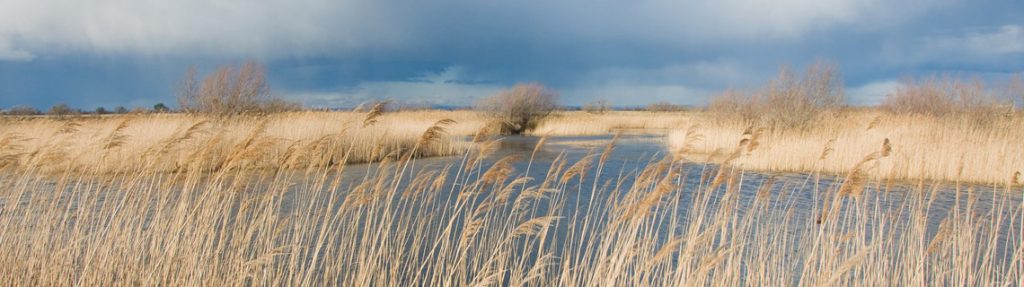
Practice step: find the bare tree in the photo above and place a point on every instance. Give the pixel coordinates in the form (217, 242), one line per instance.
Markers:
(230, 91)
(947, 96)
(23, 111)
(790, 100)
(520, 108)
(60, 110)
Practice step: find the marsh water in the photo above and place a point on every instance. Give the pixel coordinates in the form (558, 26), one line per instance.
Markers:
(803, 196)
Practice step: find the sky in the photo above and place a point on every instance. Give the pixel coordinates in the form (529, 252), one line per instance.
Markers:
(324, 53)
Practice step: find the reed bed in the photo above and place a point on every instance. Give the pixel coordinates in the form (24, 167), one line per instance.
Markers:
(578, 123)
(166, 142)
(923, 147)
(480, 221)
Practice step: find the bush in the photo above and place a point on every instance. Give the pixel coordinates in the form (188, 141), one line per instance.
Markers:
(161, 108)
(61, 110)
(230, 91)
(520, 108)
(944, 96)
(599, 106)
(788, 101)
(23, 111)
(665, 107)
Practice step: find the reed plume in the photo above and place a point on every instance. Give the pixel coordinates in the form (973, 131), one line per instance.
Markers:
(435, 132)
(116, 138)
(376, 111)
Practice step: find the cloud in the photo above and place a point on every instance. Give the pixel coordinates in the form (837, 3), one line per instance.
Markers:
(633, 94)
(328, 52)
(449, 87)
(1008, 39)
(708, 73)
(9, 54)
(273, 29)
(1001, 45)
(235, 28)
(872, 93)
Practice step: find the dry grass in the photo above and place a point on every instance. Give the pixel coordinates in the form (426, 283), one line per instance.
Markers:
(166, 142)
(485, 224)
(583, 123)
(967, 149)
(923, 147)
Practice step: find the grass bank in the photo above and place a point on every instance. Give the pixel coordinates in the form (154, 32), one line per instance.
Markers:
(578, 123)
(986, 150)
(922, 147)
(166, 142)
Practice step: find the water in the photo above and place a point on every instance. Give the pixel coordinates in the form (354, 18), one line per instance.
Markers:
(799, 203)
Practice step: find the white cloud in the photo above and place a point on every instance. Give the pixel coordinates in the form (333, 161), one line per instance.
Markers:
(872, 93)
(719, 73)
(1008, 39)
(449, 93)
(978, 42)
(972, 45)
(9, 54)
(226, 27)
(454, 87)
(633, 94)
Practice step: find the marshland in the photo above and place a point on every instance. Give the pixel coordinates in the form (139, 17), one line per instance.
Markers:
(781, 185)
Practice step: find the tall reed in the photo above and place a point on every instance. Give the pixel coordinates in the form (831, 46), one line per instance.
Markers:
(480, 221)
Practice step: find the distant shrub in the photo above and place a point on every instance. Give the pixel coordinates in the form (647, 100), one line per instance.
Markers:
(101, 111)
(230, 91)
(789, 101)
(520, 108)
(403, 106)
(22, 111)
(276, 105)
(665, 107)
(599, 106)
(61, 110)
(945, 96)
(161, 108)
(120, 110)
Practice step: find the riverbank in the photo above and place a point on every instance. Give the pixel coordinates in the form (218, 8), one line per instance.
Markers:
(919, 147)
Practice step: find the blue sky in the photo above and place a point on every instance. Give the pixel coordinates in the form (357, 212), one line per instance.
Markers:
(452, 52)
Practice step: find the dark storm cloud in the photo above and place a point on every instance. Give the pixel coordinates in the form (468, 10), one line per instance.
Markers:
(331, 53)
